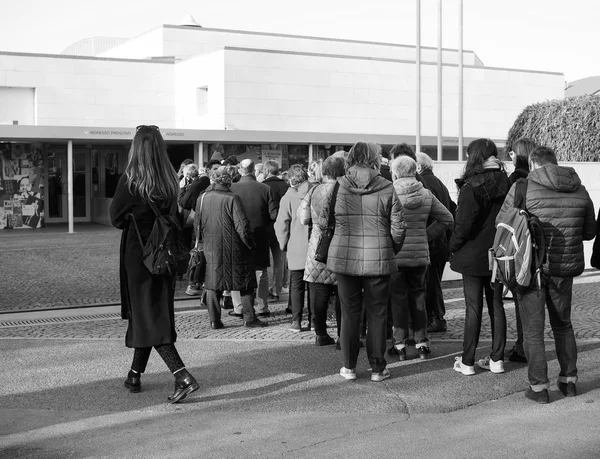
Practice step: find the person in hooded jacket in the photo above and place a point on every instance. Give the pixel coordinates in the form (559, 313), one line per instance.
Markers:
(482, 189)
(519, 154)
(563, 206)
(369, 231)
(293, 239)
(426, 219)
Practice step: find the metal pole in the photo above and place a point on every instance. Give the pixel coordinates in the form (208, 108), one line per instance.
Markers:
(418, 76)
(70, 184)
(460, 81)
(439, 95)
(310, 154)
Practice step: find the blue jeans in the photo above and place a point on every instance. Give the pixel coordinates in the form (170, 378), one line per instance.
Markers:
(474, 288)
(555, 294)
(376, 292)
(407, 291)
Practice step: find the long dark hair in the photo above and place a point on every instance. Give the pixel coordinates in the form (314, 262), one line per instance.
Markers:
(522, 147)
(149, 171)
(478, 152)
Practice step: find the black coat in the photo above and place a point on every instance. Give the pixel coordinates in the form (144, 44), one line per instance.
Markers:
(189, 194)
(227, 240)
(479, 201)
(595, 261)
(278, 188)
(439, 246)
(517, 174)
(146, 300)
(261, 210)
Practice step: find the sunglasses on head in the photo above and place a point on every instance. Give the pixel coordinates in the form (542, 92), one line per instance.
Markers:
(149, 126)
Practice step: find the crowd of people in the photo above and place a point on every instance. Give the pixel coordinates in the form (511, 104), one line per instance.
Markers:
(367, 231)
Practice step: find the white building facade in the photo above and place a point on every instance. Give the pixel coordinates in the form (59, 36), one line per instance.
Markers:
(250, 94)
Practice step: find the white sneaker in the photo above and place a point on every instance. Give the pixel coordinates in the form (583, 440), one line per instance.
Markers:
(348, 373)
(378, 377)
(466, 370)
(489, 364)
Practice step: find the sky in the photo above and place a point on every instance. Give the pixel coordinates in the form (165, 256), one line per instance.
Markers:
(547, 35)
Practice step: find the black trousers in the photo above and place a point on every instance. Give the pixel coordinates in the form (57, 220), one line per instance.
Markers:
(434, 298)
(374, 291)
(168, 352)
(319, 295)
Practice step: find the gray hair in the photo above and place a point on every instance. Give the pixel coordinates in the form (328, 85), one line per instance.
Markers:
(221, 176)
(425, 161)
(271, 168)
(404, 166)
(246, 166)
(190, 170)
(297, 175)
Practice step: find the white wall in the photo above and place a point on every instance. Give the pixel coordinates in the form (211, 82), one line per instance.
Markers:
(299, 92)
(17, 104)
(93, 92)
(186, 42)
(207, 70)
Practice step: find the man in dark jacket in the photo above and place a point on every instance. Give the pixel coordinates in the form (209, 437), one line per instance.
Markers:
(278, 187)
(261, 210)
(438, 248)
(557, 198)
(227, 240)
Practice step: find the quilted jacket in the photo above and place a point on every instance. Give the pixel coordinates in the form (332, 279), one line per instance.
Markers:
(369, 226)
(556, 196)
(227, 240)
(418, 205)
(479, 201)
(309, 211)
(291, 234)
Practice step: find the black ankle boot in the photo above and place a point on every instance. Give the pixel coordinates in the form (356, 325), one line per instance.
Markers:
(185, 384)
(133, 382)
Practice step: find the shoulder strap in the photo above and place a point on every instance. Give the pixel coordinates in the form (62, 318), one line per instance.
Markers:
(331, 218)
(199, 216)
(521, 194)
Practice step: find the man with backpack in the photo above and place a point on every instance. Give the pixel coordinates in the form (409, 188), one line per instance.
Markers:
(565, 211)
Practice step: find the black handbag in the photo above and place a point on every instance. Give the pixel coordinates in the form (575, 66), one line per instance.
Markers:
(196, 254)
(324, 241)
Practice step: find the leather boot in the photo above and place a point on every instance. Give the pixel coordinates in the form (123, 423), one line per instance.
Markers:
(133, 382)
(185, 384)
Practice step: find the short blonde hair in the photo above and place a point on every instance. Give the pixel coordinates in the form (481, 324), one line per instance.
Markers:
(404, 166)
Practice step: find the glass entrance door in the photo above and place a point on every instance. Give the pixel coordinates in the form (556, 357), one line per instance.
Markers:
(57, 197)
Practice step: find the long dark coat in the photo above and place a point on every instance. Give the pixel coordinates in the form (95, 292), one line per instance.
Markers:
(261, 210)
(146, 300)
(227, 240)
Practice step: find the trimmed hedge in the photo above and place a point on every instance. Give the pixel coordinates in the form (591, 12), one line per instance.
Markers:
(571, 127)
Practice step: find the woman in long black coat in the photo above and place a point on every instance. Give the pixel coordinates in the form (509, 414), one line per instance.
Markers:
(228, 242)
(146, 299)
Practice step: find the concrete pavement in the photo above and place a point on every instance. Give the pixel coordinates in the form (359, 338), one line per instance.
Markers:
(263, 392)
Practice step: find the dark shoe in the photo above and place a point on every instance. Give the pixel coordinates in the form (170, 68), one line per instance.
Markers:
(235, 314)
(217, 325)
(324, 340)
(255, 323)
(338, 346)
(437, 326)
(516, 357)
(133, 382)
(568, 389)
(185, 384)
(227, 303)
(424, 352)
(401, 354)
(539, 397)
(194, 290)
(264, 314)
(273, 297)
(288, 311)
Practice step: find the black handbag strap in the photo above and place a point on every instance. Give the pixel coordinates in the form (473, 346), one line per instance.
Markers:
(199, 216)
(156, 212)
(331, 211)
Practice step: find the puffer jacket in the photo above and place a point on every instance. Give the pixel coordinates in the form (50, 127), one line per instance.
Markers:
(418, 205)
(369, 226)
(227, 240)
(479, 201)
(291, 234)
(308, 212)
(556, 196)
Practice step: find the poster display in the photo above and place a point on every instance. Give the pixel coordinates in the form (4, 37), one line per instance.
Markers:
(273, 155)
(22, 186)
